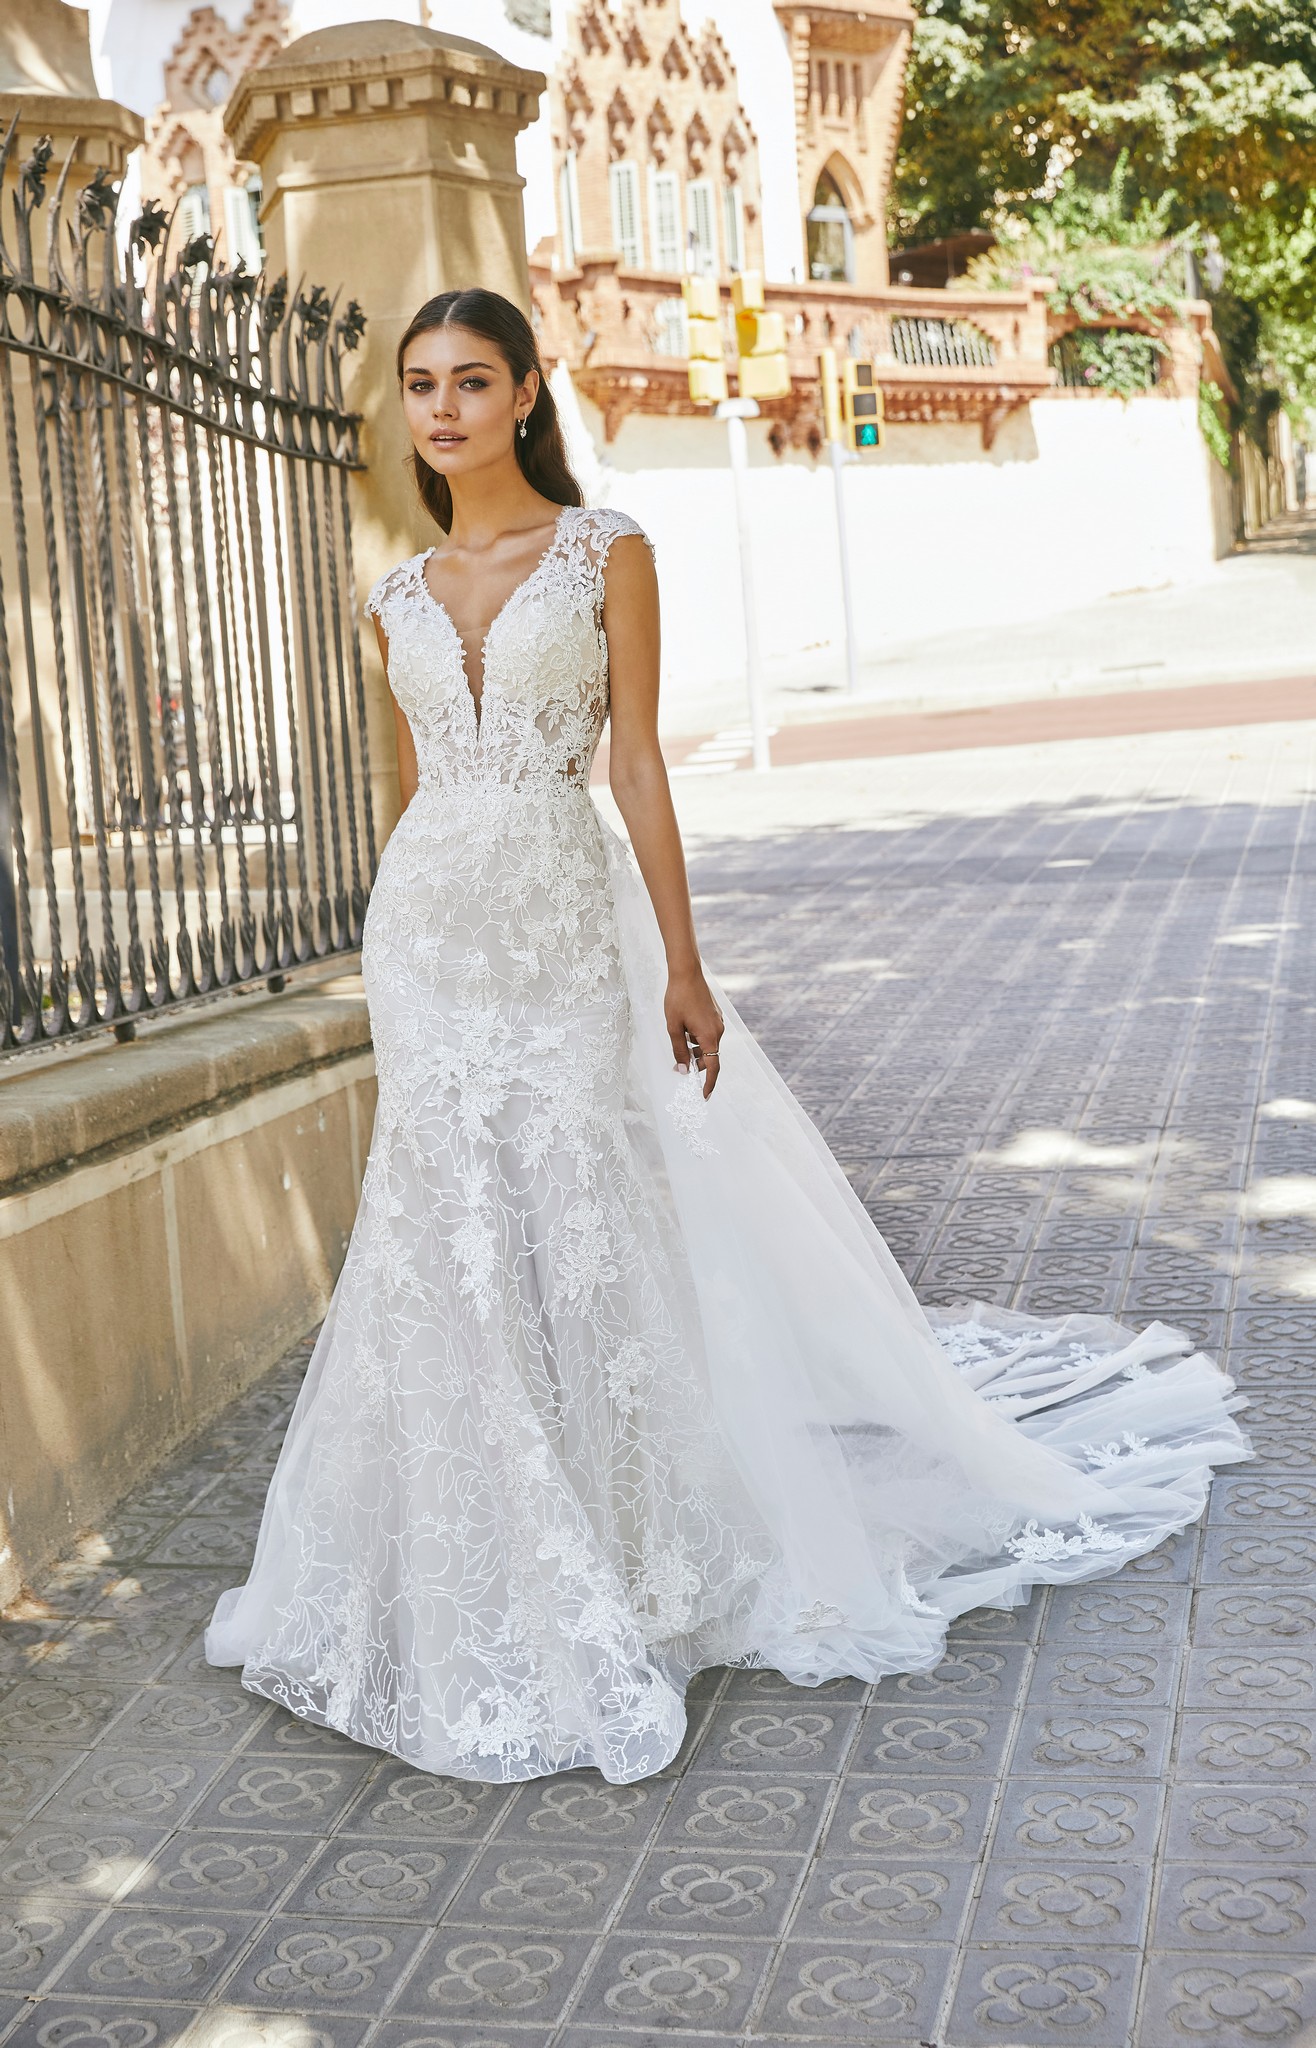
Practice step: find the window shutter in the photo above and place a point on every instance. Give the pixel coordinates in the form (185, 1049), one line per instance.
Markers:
(665, 211)
(241, 228)
(733, 226)
(703, 232)
(624, 192)
(193, 214)
(569, 207)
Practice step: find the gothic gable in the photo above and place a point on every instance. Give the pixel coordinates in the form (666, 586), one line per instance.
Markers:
(656, 157)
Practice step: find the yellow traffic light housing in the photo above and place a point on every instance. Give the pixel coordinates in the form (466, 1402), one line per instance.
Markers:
(760, 341)
(862, 410)
(706, 368)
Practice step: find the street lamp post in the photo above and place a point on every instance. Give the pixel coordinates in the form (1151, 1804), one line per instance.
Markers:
(838, 454)
(735, 411)
(854, 418)
(839, 457)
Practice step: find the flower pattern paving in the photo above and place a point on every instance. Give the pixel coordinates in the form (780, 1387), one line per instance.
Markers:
(1094, 1823)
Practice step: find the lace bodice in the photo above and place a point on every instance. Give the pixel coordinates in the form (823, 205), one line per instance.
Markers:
(545, 690)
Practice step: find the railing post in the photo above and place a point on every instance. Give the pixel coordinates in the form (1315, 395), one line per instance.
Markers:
(10, 958)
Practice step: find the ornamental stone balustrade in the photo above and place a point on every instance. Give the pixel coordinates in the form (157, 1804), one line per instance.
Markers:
(610, 328)
(942, 356)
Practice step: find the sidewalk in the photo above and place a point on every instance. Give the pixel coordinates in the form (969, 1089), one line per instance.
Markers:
(1051, 1005)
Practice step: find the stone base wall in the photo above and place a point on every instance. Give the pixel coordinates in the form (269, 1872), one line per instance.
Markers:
(173, 1214)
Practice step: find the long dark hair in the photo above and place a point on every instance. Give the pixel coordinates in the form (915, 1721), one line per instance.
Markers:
(542, 455)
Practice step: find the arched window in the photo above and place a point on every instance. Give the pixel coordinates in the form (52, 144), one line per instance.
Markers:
(829, 235)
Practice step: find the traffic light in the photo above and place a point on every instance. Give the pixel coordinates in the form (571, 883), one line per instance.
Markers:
(862, 410)
(760, 341)
(707, 371)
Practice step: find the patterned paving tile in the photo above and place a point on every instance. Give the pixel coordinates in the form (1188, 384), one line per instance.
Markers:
(1093, 1822)
(145, 1952)
(1022, 1997)
(116, 2022)
(517, 1884)
(1227, 1997)
(498, 1977)
(325, 1965)
(684, 1892)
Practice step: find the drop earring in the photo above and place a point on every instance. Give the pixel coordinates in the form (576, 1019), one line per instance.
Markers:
(523, 430)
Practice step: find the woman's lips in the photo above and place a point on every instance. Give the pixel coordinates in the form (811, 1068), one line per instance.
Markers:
(447, 440)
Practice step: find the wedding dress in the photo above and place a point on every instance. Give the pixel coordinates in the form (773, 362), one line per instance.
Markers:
(617, 1383)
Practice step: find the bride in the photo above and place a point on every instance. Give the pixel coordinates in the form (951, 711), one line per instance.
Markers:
(619, 1380)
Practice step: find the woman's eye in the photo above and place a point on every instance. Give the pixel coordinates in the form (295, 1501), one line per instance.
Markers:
(474, 383)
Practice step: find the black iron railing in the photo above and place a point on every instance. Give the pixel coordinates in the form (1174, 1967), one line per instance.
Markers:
(940, 344)
(1107, 359)
(184, 777)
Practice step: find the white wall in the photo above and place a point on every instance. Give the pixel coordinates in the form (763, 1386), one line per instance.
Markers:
(1078, 499)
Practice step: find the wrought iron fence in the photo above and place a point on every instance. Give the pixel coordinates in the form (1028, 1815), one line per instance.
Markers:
(184, 777)
(940, 344)
(1107, 359)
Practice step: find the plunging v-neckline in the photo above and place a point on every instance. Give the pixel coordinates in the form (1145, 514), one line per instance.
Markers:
(477, 703)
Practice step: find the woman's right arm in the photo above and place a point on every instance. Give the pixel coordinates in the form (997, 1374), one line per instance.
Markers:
(407, 771)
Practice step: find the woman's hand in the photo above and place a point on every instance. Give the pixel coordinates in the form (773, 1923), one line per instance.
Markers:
(694, 1025)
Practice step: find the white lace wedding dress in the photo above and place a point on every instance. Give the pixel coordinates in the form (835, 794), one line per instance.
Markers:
(615, 1383)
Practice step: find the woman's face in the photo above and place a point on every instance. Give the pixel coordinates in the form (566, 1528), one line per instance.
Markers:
(461, 401)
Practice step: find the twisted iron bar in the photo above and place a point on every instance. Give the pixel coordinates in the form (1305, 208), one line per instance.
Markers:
(183, 707)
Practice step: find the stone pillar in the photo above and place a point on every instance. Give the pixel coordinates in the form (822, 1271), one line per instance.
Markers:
(46, 79)
(388, 162)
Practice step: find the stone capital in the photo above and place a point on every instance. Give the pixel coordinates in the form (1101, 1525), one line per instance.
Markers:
(372, 71)
(100, 132)
(48, 81)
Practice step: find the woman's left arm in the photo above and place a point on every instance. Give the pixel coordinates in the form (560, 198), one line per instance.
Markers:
(637, 777)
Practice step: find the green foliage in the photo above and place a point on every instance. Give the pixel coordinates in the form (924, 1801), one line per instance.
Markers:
(1211, 421)
(1266, 314)
(1214, 102)
(1109, 359)
(1109, 259)
(1199, 115)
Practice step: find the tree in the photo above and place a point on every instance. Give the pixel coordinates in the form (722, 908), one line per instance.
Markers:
(1210, 105)
(1213, 100)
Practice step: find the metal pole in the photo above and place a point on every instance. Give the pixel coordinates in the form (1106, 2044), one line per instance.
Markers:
(735, 411)
(838, 459)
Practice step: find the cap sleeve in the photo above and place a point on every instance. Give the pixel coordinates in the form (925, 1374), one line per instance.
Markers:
(619, 525)
(384, 592)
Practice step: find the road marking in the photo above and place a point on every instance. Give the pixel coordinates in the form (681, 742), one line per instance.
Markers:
(722, 753)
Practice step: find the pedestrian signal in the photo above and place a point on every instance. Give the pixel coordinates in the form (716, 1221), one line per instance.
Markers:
(707, 371)
(760, 341)
(862, 409)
